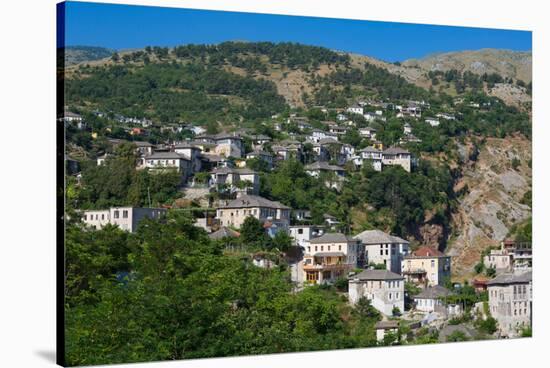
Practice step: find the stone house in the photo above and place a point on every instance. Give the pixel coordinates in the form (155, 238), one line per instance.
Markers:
(510, 302)
(381, 248)
(234, 212)
(384, 289)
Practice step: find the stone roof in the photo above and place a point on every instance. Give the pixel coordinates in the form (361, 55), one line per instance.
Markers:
(386, 325)
(377, 275)
(396, 151)
(224, 232)
(329, 254)
(249, 201)
(332, 238)
(142, 144)
(232, 170)
(370, 149)
(323, 165)
(433, 292)
(166, 155)
(328, 141)
(511, 278)
(378, 237)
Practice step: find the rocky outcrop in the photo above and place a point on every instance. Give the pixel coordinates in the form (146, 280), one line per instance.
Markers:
(494, 184)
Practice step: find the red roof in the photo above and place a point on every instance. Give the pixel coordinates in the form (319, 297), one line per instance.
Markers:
(426, 251)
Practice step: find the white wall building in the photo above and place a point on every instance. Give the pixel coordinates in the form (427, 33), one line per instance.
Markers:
(385, 290)
(382, 248)
(127, 218)
(510, 301)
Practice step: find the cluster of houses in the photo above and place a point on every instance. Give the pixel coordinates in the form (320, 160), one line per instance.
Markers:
(376, 264)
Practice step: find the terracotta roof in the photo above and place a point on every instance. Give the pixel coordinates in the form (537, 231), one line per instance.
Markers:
(426, 251)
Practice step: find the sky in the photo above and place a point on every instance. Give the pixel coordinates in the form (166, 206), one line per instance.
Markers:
(129, 26)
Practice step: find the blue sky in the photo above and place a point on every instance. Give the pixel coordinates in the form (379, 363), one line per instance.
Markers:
(125, 26)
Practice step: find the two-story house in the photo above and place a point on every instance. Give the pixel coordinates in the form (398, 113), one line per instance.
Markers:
(127, 218)
(328, 257)
(236, 180)
(384, 289)
(426, 266)
(380, 248)
(234, 212)
(510, 302)
(397, 156)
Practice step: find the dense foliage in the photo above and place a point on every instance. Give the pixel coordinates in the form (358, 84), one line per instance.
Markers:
(173, 91)
(167, 292)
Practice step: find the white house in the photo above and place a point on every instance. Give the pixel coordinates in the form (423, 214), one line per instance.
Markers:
(432, 299)
(127, 218)
(162, 161)
(510, 302)
(368, 132)
(369, 155)
(302, 234)
(232, 177)
(384, 289)
(432, 121)
(355, 109)
(382, 248)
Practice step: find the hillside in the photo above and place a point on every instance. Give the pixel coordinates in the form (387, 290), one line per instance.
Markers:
(457, 199)
(82, 54)
(508, 64)
(497, 181)
(293, 79)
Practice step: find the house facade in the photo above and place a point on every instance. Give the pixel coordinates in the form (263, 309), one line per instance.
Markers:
(510, 302)
(328, 257)
(302, 234)
(397, 156)
(127, 218)
(235, 178)
(234, 212)
(384, 289)
(426, 267)
(162, 161)
(381, 248)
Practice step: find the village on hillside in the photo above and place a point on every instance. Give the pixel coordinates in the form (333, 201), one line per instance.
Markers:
(410, 284)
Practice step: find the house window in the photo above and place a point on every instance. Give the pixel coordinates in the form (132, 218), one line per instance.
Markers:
(322, 248)
(308, 249)
(316, 248)
(329, 248)
(389, 295)
(85, 217)
(116, 214)
(125, 214)
(396, 295)
(339, 247)
(103, 216)
(433, 263)
(300, 231)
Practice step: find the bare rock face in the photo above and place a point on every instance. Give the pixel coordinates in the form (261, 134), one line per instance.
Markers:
(496, 183)
(432, 235)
